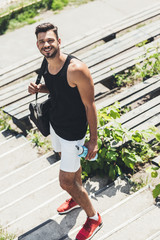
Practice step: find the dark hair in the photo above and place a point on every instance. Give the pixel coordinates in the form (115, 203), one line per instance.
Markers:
(44, 27)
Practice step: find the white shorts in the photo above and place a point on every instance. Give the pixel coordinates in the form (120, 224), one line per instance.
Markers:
(70, 161)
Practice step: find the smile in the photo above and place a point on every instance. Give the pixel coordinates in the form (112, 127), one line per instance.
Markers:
(47, 49)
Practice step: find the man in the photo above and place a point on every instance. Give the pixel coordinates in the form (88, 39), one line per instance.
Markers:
(71, 88)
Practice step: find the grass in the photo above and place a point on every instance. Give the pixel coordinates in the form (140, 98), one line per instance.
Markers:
(6, 236)
(22, 20)
(43, 144)
(4, 121)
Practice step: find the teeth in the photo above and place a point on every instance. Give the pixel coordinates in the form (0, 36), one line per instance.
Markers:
(47, 50)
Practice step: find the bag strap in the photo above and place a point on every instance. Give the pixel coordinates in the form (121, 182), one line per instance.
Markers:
(41, 71)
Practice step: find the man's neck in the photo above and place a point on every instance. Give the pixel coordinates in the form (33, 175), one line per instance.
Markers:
(55, 64)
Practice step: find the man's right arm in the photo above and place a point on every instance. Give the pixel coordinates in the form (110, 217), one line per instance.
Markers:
(34, 88)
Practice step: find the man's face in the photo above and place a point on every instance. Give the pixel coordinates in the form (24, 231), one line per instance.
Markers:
(48, 44)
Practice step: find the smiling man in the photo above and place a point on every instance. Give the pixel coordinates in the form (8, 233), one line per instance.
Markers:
(71, 88)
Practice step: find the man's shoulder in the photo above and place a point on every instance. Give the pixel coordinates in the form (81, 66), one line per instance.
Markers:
(76, 65)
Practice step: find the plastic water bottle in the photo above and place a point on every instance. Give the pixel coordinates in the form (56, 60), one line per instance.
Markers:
(82, 152)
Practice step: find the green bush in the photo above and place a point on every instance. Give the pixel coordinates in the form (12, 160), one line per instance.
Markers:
(59, 4)
(4, 23)
(26, 15)
(120, 150)
(22, 19)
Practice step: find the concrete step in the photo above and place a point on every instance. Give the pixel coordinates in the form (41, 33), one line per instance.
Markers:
(31, 185)
(26, 171)
(140, 227)
(120, 213)
(155, 236)
(11, 143)
(46, 212)
(17, 157)
(14, 210)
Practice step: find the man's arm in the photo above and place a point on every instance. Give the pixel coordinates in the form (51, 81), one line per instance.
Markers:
(80, 76)
(34, 88)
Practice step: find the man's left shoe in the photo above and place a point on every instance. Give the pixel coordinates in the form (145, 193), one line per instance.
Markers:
(89, 228)
(67, 206)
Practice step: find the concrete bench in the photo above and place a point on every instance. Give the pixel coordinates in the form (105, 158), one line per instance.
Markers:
(133, 93)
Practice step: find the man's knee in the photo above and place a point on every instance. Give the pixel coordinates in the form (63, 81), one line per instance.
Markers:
(66, 180)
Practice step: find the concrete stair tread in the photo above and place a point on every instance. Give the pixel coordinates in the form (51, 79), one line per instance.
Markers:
(33, 186)
(15, 204)
(26, 171)
(47, 210)
(12, 143)
(114, 214)
(155, 236)
(29, 202)
(16, 158)
(122, 212)
(141, 228)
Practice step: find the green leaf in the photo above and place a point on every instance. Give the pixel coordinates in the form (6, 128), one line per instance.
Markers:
(158, 137)
(156, 191)
(137, 137)
(99, 141)
(105, 116)
(114, 114)
(112, 172)
(129, 162)
(85, 174)
(107, 132)
(101, 122)
(118, 170)
(112, 156)
(154, 174)
(155, 168)
(118, 135)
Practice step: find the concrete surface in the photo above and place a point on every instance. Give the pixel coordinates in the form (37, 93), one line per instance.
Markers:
(72, 22)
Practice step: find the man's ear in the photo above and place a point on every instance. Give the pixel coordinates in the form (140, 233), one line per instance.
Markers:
(59, 41)
(37, 44)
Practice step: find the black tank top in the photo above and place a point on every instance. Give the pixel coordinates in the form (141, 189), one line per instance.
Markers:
(67, 114)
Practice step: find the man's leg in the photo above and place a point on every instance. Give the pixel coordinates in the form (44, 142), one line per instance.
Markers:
(72, 183)
(70, 180)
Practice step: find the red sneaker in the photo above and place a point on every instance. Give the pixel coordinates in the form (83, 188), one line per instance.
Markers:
(67, 206)
(89, 229)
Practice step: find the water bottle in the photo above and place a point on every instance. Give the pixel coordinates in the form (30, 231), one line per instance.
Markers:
(82, 152)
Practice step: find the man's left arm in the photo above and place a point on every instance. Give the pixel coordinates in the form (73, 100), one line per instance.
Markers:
(83, 80)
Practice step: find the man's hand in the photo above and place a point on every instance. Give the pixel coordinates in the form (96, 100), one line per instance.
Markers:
(92, 149)
(34, 88)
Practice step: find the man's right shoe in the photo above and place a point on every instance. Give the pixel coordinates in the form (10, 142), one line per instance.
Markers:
(90, 228)
(67, 206)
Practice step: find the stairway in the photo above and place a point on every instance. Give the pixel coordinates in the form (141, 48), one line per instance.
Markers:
(30, 194)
